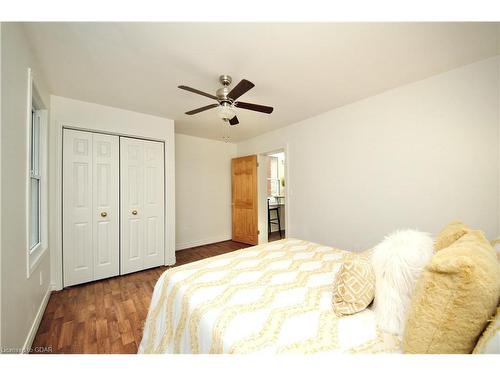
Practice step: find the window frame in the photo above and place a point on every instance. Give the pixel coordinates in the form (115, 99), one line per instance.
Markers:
(35, 174)
(36, 169)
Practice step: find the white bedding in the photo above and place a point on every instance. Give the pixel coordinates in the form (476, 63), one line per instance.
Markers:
(272, 298)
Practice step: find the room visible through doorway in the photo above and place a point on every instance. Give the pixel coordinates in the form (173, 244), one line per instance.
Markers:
(275, 195)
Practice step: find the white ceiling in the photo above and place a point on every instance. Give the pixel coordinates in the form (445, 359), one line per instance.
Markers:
(300, 69)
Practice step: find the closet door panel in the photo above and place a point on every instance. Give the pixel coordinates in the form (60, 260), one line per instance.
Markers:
(106, 212)
(132, 198)
(154, 204)
(77, 207)
(142, 195)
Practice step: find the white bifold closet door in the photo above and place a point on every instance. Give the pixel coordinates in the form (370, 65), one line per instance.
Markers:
(91, 247)
(142, 204)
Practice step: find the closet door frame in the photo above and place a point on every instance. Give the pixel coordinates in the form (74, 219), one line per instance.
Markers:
(60, 263)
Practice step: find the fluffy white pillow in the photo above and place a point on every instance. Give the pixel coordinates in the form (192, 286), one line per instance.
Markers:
(398, 262)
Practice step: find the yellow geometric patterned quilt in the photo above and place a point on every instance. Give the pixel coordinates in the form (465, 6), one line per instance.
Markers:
(271, 298)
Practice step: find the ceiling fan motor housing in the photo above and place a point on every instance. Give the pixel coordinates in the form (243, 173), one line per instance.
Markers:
(222, 94)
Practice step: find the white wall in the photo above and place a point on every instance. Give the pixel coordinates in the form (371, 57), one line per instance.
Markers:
(88, 116)
(0, 184)
(203, 190)
(414, 157)
(22, 298)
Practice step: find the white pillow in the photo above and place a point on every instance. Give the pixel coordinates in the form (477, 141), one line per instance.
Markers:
(398, 262)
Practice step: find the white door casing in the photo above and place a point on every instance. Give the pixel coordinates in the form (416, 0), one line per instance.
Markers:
(90, 187)
(142, 204)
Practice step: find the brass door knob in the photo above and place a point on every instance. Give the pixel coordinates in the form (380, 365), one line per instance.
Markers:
(134, 212)
(104, 214)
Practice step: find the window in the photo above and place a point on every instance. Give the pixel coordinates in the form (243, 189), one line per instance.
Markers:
(36, 182)
(35, 177)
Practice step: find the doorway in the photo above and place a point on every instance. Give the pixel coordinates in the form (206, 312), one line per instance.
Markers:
(259, 197)
(275, 197)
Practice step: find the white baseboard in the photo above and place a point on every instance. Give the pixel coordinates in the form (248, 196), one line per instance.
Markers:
(205, 241)
(36, 322)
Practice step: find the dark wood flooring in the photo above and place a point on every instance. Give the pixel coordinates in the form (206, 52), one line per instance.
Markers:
(107, 316)
(275, 236)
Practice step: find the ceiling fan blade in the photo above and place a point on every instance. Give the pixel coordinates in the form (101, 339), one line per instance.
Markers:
(240, 89)
(234, 121)
(198, 92)
(198, 110)
(254, 107)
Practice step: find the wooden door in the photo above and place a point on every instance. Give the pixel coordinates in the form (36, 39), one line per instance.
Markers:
(142, 204)
(244, 199)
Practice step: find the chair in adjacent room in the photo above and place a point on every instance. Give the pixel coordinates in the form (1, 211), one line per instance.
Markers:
(273, 207)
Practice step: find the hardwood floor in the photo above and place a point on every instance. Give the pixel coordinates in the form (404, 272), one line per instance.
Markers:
(107, 316)
(275, 236)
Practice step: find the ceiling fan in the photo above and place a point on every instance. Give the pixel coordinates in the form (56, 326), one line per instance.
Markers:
(227, 100)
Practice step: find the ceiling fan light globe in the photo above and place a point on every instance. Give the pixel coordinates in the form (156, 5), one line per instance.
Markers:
(226, 112)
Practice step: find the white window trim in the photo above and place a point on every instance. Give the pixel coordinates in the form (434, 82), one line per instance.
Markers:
(34, 255)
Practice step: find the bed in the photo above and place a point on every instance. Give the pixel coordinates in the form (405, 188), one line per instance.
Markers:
(270, 298)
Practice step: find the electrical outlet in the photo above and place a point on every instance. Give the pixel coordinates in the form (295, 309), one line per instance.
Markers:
(41, 278)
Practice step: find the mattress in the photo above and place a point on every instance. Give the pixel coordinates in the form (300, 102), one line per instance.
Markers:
(271, 298)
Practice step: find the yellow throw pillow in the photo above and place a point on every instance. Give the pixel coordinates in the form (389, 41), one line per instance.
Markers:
(454, 298)
(489, 343)
(450, 233)
(354, 286)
